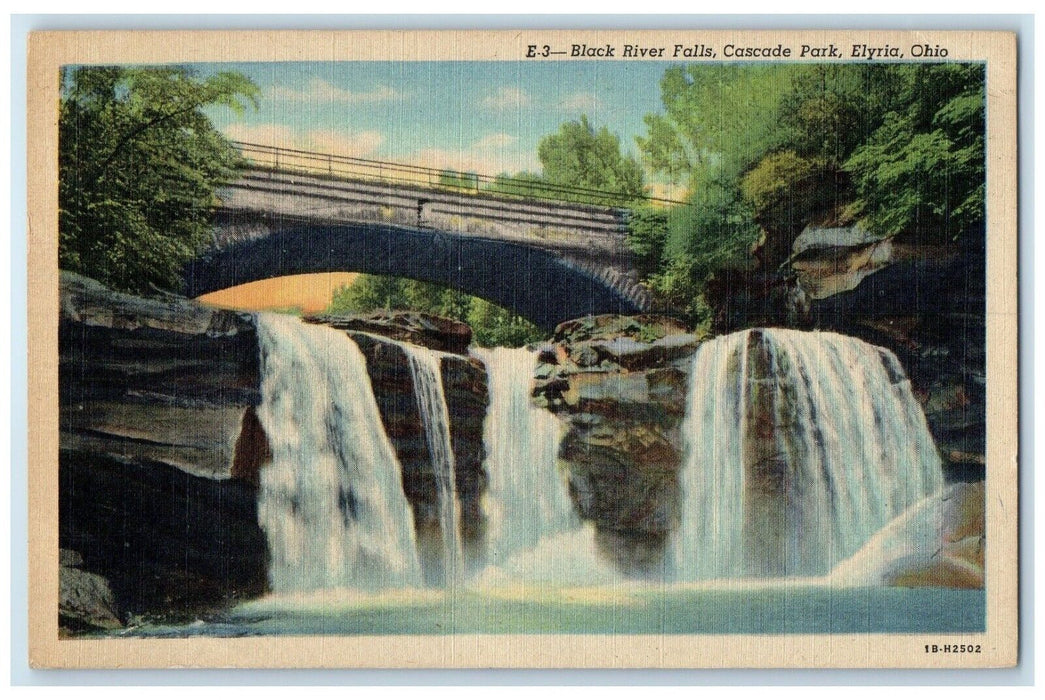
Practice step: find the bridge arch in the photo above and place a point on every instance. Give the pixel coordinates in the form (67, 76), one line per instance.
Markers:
(537, 284)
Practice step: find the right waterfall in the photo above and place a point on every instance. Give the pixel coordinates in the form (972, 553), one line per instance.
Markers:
(799, 448)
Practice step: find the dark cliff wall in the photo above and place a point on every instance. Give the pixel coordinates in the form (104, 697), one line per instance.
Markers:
(152, 394)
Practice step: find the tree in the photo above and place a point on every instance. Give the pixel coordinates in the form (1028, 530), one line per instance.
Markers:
(579, 156)
(139, 162)
(923, 170)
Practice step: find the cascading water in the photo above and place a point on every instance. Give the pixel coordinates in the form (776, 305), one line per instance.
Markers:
(526, 498)
(435, 420)
(533, 533)
(331, 501)
(800, 447)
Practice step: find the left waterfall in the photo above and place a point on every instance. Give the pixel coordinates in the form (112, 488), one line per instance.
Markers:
(331, 501)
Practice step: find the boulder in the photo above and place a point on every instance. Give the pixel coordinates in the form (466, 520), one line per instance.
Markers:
(829, 261)
(959, 561)
(85, 601)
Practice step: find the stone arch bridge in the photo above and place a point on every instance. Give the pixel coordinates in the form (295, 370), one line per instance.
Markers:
(300, 212)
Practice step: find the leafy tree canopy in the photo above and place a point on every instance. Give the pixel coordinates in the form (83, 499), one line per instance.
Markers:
(771, 147)
(580, 156)
(139, 162)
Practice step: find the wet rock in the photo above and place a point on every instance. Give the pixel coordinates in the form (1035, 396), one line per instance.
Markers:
(959, 561)
(465, 388)
(423, 329)
(620, 384)
(644, 327)
(85, 601)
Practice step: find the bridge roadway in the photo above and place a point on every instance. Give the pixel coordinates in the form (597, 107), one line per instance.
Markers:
(547, 261)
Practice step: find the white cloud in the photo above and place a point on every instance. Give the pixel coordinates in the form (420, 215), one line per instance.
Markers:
(358, 144)
(490, 155)
(507, 98)
(320, 90)
(580, 102)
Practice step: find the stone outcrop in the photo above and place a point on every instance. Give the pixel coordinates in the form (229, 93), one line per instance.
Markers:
(414, 327)
(163, 380)
(171, 544)
(959, 561)
(152, 397)
(85, 601)
(619, 383)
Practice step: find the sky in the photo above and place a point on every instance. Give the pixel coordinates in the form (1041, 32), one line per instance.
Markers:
(485, 117)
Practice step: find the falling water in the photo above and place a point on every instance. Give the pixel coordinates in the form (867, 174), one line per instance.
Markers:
(800, 447)
(533, 533)
(526, 498)
(435, 420)
(331, 501)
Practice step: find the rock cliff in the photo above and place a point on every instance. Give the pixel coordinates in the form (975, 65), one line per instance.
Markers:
(619, 383)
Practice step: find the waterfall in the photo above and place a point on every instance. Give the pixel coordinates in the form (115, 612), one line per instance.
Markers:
(526, 498)
(533, 534)
(435, 420)
(331, 501)
(799, 447)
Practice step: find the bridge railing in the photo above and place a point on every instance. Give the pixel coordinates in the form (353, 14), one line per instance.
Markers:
(354, 168)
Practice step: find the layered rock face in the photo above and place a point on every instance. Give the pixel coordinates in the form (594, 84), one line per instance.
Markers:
(153, 394)
(423, 329)
(619, 383)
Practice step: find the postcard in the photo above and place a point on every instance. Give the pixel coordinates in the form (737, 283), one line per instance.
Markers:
(523, 349)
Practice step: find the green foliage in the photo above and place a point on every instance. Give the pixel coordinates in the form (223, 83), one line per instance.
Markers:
(647, 237)
(580, 156)
(491, 325)
(922, 170)
(678, 290)
(459, 180)
(775, 146)
(138, 166)
(774, 178)
(719, 119)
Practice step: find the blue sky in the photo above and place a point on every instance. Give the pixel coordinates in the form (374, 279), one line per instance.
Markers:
(479, 116)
